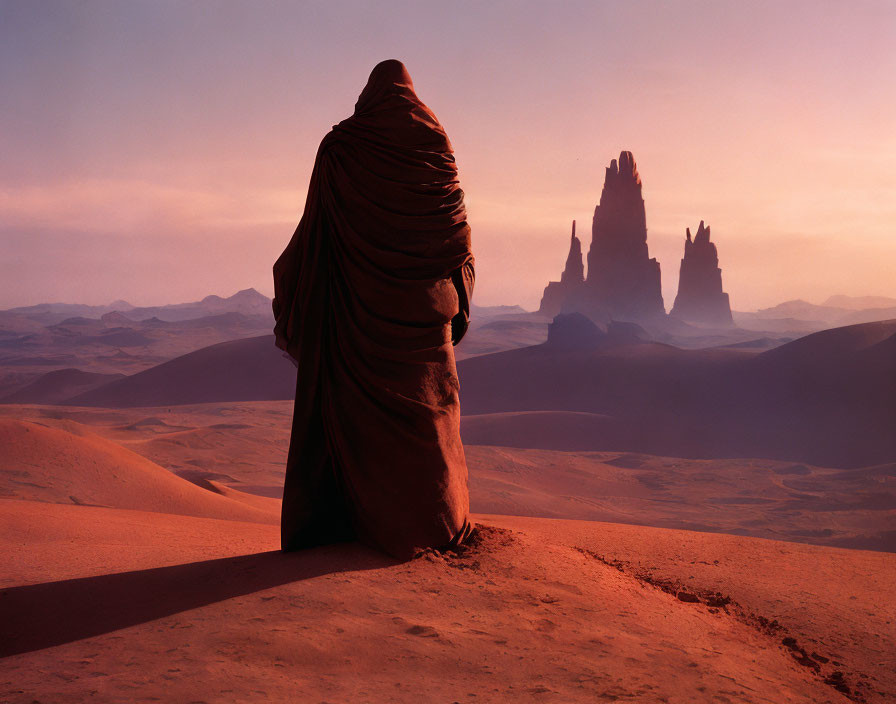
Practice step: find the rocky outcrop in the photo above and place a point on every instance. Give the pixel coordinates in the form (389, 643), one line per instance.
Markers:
(574, 330)
(556, 293)
(700, 296)
(623, 281)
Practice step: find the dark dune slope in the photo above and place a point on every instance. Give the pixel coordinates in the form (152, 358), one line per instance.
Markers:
(828, 399)
(56, 386)
(251, 369)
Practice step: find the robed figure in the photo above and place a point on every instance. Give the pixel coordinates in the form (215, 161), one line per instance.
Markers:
(370, 296)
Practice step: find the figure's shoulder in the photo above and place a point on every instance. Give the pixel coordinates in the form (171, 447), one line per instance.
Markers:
(330, 139)
(330, 145)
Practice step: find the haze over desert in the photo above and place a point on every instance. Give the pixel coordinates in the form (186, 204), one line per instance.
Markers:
(469, 352)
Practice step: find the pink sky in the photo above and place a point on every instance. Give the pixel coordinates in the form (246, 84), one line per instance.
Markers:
(159, 152)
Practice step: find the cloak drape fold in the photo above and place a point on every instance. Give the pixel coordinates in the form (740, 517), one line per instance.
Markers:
(370, 295)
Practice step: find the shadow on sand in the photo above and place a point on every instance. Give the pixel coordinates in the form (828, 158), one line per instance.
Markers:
(44, 615)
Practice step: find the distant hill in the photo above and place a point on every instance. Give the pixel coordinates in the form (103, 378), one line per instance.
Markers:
(836, 311)
(828, 398)
(112, 344)
(52, 313)
(248, 302)
(492, 311)
(57, 386)
(801, 310)
(860, 302)
(250, 369)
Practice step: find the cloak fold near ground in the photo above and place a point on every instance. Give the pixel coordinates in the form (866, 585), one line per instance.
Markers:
(369, 295)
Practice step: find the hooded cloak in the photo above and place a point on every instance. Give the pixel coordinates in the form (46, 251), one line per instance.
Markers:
(370, 295)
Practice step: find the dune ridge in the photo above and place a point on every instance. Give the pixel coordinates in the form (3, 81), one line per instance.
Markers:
(41, 463)
(553, 609)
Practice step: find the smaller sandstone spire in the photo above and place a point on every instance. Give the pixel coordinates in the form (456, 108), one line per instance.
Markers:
(556, 293)
(700, 296)
(575, 268)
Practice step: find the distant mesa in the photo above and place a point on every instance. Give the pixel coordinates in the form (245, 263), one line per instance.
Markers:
(574, 330)
(578, 331)
(700, 297)
(623, 282)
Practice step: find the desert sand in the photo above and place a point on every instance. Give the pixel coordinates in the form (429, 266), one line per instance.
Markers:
(59, 466)
(241, 447)
(166, 589)
(111, 604)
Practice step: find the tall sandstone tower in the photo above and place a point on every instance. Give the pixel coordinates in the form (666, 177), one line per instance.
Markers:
(623, 281)
(700, 296)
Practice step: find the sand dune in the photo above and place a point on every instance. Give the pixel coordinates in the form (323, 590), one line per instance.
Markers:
(543, 430)
(132, 603)
(826, 399)
(495, 333)
(243, 446)
(834, 345)
(761, 498)
(128, 605)
(46, 464)
(241, 370)
(832, 391)
(59, 385)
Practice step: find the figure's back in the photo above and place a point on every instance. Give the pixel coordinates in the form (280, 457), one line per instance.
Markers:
(376, 277)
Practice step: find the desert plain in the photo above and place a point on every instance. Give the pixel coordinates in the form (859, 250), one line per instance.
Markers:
(149, 570)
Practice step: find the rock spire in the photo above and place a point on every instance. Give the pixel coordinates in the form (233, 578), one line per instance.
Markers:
(623, 281)
(700, 296)
(556, 293)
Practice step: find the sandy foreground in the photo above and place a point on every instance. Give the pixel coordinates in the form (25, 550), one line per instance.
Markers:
(123, 581)
(126, 605)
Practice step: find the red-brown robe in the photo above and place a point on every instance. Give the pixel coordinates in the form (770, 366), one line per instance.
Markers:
(369, 296)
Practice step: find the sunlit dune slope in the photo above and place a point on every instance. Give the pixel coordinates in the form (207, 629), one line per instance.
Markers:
(127, 604)
(243, 446)
(46, 464)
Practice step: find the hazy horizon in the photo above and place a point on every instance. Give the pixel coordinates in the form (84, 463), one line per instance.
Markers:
(228, 294)
(160, 152)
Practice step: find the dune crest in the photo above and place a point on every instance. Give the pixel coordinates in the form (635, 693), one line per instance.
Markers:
(40, 463)
(537, 610)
